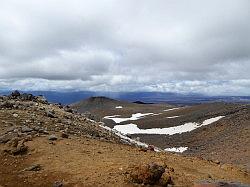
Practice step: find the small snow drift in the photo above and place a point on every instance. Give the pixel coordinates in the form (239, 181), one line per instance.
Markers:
(187, 127)
(171, 117)
(170, 109)
(109, 117)
(157, 114)
(176, 149)
(118, 107)
(132, 118)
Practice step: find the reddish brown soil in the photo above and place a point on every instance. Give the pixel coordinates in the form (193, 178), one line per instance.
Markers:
(88, 162)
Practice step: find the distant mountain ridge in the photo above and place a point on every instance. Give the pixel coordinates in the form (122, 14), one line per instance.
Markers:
(145, 97)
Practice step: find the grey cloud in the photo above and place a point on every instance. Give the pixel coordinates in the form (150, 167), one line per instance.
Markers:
(66, 65)
(234, 87)
(114, 44)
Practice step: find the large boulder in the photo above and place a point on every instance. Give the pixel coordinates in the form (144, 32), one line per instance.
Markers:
(147, 174)
(16, 147)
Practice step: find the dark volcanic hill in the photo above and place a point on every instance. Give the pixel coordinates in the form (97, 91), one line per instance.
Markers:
(94, 103)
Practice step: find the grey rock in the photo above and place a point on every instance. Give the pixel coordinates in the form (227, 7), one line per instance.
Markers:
(6, 104)
(68, 109)
(5, 138)
(10, 129)
(52, 137)
(27, 97)
(57, 184)
(15, 94)
(15, 115)
(50, 114)
(35, 167)
(26, 129)
(41, 99)
(36, 128)
(43, 131)
(27, 121)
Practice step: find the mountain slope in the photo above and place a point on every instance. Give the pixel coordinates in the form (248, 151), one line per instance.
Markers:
(231, 133)
(44, 144)
(226, 140)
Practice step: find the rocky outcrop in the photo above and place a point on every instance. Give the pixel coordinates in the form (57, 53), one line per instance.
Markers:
(16, 95)
(25, 116)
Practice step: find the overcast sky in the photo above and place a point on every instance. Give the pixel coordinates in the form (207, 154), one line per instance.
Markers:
(200, 46)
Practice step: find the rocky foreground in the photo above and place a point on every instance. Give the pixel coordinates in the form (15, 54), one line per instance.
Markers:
(44, 144)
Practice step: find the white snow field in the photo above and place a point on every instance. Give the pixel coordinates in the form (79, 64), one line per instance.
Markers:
(132, 118)
(187, 127)
(135, 116)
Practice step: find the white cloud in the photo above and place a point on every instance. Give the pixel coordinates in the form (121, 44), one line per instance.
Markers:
(161, 45)
(233, 87)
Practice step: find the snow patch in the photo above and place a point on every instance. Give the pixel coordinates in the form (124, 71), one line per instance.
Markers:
(170, 109)
(118, 107)
(156, 114)
(171, 117)
(187, 127)
(211, 120)
(132, 118)
(127, 139)
(108, 117)
(176, 149)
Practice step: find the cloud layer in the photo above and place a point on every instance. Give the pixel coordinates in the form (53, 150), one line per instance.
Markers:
(114, 45)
